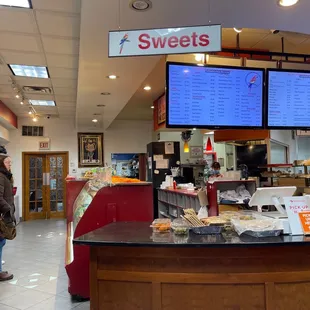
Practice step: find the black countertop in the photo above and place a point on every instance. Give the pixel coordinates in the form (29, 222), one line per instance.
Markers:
(136, 234)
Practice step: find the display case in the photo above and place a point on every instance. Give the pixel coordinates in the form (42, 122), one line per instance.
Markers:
(94, 208)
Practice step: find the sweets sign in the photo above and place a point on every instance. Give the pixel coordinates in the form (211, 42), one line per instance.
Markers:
(200, 39)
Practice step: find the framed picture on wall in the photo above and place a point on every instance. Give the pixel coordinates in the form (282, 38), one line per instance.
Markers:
(90, 149)
(196, 151)
(161, 110)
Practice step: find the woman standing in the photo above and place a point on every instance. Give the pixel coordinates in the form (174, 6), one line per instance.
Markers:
(7, 208)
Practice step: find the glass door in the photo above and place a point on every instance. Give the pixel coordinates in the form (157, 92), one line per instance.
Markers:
(35, 193)
(44, 192)
(56, 174)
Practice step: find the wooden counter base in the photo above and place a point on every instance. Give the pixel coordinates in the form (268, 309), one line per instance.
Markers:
(163, 278)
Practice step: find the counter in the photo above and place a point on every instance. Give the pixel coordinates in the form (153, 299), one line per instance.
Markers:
(129, 270)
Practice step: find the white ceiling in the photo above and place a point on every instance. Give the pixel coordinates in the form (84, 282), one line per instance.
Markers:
(71, 38)
(48, 36)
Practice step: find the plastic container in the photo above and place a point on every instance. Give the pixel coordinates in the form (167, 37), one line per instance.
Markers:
(207, 230)
(161, 225)
(180, 227)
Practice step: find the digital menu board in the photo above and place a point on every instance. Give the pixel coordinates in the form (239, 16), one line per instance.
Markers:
(288, 99)
(214, 97)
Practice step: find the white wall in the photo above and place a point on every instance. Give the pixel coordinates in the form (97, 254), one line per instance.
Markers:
(285, 137)
(121, 136)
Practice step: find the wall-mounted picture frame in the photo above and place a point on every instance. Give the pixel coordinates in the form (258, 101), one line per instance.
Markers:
(196, 151)
(90, 150)
(161, 110)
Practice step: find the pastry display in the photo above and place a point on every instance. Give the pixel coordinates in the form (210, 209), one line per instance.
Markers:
(161, 225)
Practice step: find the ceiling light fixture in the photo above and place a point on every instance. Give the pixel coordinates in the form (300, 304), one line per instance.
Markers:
(17, 3)
(147, 88)
(44, 103)
(94, 120)
(105, 93)
(238, 30)
(22, 102)
(287, 3)
(17, 96)
(112, 77)
(152, 107)
(35, 119)
(199, 57)
(29, 71)
(140, 5)
(30, 112)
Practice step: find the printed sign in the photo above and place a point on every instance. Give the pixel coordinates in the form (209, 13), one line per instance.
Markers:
(44, 145)
(293, 206)
(305, 222)
(201, 39)
(169, 148)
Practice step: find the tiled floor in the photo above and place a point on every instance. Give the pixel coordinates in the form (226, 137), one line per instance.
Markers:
(36, 258)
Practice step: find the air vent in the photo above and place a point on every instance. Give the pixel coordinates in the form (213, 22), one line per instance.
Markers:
(37, 89)
(32, 131)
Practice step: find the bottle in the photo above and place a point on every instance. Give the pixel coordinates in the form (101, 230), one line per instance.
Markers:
(174, 185)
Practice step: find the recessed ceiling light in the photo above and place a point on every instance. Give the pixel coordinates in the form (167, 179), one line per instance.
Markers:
(46, 103)
(152, 107)
(100, 105)
(35, 119)
(17, 3)
(17, 95)
(238, 30)
(105, 93)
(112, 77)
(22, 102)
(199, 57)
(287, 2)
(94, 120)
(30, 71)
(140, 5)
(147, 87)
(30, 112)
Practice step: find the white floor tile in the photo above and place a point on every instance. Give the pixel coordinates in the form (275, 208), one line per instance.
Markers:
(55, 303)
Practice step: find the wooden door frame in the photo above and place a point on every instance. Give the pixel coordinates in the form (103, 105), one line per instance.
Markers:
(24, 154)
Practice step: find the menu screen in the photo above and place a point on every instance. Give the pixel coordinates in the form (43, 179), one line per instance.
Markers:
(214, 96)
(288, 99)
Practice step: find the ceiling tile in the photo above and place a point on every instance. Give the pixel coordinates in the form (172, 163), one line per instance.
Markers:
(71, 6)
(35, 59)
(62, 61)
(5, 70)
(19, 42)
(58, 24)
(17, 20)
(5, 79)
(26, 81)
(60, 46)
(64, 83)
(71, 98)
(63, 73)
(65, 91)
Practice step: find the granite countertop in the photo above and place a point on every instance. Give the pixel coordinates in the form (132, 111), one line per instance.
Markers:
(136, 234)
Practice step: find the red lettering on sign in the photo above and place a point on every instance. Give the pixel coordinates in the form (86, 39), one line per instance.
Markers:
(146, 41)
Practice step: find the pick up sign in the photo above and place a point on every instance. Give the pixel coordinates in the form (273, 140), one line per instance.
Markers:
(293, 206)
(200, 39)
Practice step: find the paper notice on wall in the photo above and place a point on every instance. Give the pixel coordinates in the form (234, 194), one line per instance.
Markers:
(294, 205)
(158, 157)
(162, 164)
(169, 148)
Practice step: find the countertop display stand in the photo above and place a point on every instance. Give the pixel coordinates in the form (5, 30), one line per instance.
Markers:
(90, 210)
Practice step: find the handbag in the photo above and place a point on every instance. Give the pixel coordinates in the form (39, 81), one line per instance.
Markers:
(7, 231)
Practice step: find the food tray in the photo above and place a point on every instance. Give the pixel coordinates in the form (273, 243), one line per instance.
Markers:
(207, 230)
(262, 234)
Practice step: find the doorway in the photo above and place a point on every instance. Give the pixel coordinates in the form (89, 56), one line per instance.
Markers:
(44, 186)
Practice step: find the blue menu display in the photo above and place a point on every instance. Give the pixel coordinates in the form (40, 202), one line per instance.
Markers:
(208, 96)
(288, 99)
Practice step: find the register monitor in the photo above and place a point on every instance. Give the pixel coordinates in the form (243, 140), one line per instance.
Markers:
(273, 196)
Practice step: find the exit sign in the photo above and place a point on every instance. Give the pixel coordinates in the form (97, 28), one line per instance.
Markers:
(44, 145)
